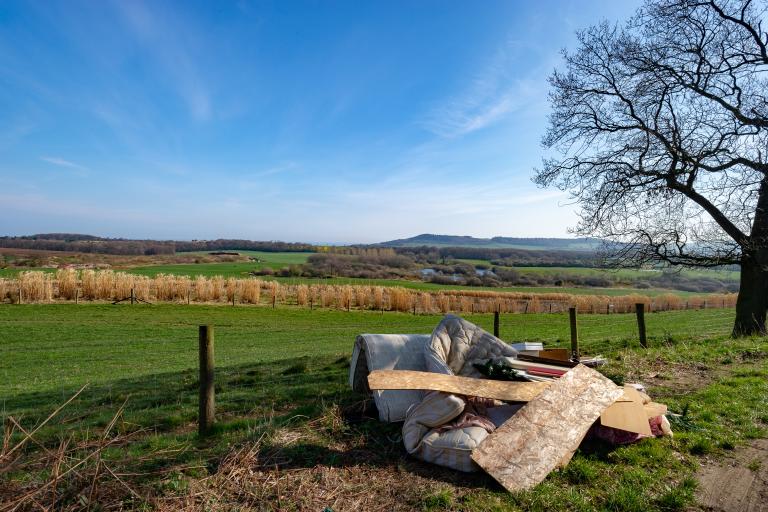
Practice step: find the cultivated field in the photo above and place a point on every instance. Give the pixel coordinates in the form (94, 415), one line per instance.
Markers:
(291, 436)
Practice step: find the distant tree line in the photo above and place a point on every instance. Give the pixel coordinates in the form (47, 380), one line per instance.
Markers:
(88, 244)
(120, 246)
(223, 244)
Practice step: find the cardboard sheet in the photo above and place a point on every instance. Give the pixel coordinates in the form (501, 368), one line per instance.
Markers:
(629, 416)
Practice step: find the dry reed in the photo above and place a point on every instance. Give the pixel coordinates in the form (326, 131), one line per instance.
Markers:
(251, 291)
(67, 281)
(35, 286)
(38, 286)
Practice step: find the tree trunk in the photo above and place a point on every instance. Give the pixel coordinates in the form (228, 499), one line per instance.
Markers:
(752, 304)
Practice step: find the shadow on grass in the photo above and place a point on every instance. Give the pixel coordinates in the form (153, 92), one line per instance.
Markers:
(308, 399)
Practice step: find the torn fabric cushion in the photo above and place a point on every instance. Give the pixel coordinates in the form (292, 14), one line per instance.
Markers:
(456, 345)
(388, 352)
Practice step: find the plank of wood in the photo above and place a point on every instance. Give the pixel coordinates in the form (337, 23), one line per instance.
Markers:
(484, 388)
(546, 360)
(547, 430)
(524, 365)
(628, 416)
(561, 354)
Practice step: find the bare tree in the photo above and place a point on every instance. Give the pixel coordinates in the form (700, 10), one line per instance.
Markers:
(658, 130)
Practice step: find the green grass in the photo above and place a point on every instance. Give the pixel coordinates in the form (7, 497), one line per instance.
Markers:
(68, 345)
(281, 375)
(13, 272)
(274, 260)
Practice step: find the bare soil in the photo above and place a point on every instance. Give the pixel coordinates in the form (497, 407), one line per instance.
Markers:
(737, 483)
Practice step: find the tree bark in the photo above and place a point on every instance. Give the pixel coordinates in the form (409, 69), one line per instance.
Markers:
(752, 303)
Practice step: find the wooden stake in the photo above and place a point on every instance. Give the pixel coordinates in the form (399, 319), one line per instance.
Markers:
(574, 334)
(496, 323)
(77, 295)
(640, 310)
(133, 296)
(207, 404)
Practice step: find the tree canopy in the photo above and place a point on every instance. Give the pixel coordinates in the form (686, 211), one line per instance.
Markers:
(658, 130)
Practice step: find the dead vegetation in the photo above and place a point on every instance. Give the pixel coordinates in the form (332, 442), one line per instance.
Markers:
(108, 285)
(78, 477)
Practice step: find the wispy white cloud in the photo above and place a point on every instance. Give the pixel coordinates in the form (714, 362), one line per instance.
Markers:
(278, 169)
(170, 43)
(492, 95)
(58, 161)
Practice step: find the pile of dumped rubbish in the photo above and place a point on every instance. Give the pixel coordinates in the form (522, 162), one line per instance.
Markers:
(470, 401)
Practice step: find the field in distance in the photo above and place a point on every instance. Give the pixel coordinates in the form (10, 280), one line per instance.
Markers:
(242, 263)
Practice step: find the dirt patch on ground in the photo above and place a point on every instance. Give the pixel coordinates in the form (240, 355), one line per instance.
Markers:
(738, 483)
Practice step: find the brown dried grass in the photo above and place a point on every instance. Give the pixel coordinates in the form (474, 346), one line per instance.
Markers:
(68, 281)
(36, 286)
(251, 291)
(302, 295)
(108, 285)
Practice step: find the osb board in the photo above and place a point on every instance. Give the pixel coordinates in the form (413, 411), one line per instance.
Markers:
(485, 388)
(629, 416)
(498, 389)
(547, 430)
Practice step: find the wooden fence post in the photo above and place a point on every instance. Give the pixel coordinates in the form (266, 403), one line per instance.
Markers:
(207, 404)
(496, 323)
(133, 296)
(20, 301)
(574, 334)
(77, 295)
(640, 310)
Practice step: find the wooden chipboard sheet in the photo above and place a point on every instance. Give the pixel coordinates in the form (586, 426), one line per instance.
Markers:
(547, 430)
(430, 381)
(468, 386)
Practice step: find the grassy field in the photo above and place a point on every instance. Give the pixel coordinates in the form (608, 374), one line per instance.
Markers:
(279, 260)
(240, 269)
(617, 274)
(286, 415)
(274, 260)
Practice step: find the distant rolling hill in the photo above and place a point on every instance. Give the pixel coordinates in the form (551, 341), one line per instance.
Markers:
(497, 242)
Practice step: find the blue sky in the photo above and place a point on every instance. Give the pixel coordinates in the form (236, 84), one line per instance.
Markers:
(300, 121)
